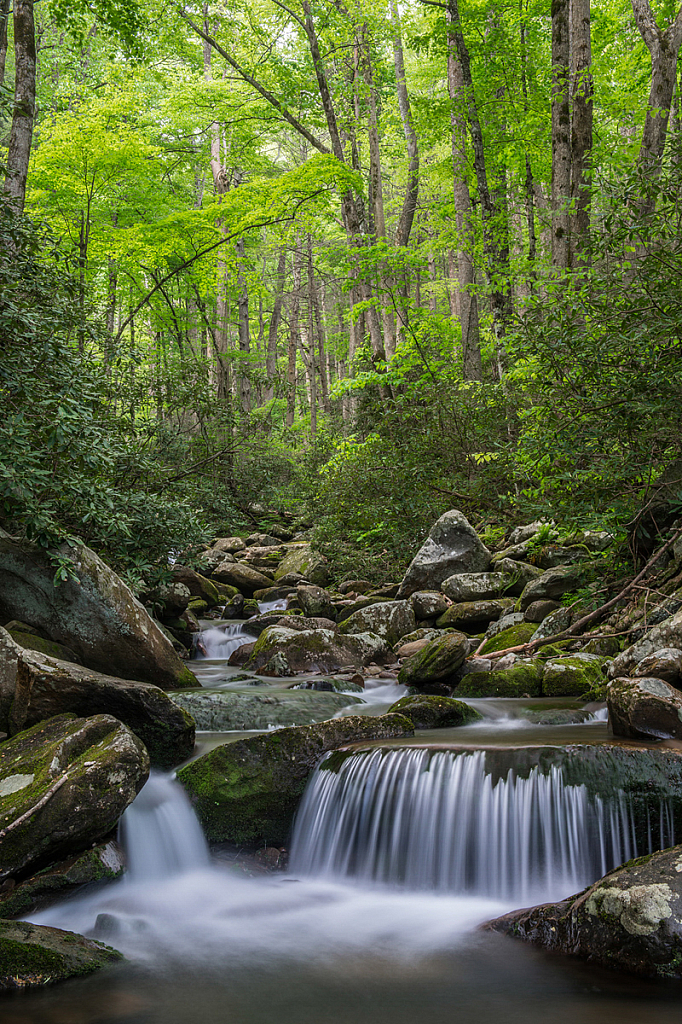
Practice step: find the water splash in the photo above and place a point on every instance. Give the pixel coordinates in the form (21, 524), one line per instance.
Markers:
(272, 606)
(219, 642)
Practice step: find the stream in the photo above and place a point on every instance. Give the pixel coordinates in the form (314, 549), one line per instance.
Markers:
(392, 869)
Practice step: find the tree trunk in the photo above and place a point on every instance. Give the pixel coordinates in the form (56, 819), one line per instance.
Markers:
(412, 189)
(21, 134)
(561, 136)
(4, 23)
(244, 330)
(294, 339)
(273, 327)
(581, 129)
(529, 187)
(664, 46)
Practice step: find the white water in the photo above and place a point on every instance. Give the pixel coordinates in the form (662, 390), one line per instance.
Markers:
(272, 606)
(219, 642)
(436, 821)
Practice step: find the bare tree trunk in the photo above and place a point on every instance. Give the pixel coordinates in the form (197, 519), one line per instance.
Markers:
(21, 134)
(581, 130)
(561, 136)
(4, 22)
(318, 334)
(412, 189)
(294, 336)
(244, 330)
(529, 187)
(273, 328)
(664, 46)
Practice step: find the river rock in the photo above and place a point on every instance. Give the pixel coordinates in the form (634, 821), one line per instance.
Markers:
(554, 623)
(231, 545)
(33, 955)
(665, 635)
(438, 661)
(34, 687)
(246, 793)
(538, 611)
(344, 609)
(355, 587)
(388, 619)
(197, 585)
(315, 602)
(452, 546)
(262, 540)
(32, 642)
(63, 785)
(220, 710)
(523, 678)
(103, 863)
(552, 584)
(98, 617)
(242, 576)
(644, 707)
(518, 574)
(505, 621)
(630, 920)
(427, 712)
(317, 650)
(572, 675)
(172, 597)
(522, 533)
(266, 559)
(300, 558)
(665, 664)
(474, 615)
(474, 586)
(428, 604)
(513, 636)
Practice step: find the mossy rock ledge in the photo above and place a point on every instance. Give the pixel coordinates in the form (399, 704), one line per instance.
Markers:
(33, 955)
(439, 660)
(246, 793)
(427, 712)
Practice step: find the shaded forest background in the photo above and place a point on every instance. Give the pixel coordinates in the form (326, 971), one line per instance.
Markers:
(340, 265)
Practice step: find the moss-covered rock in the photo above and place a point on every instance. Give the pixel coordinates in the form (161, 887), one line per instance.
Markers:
(428, 604)
(199, 586)
(300, 558)
(452, 546)
(474, 586)
(522, 679)
(221, 710)
(242, 576)
(552, 584)
(33, 955)
(474, 615)
(438, 661)
(572, 675)
(63, 786)
(317, 649)
(390, 620)
(514, 636)
(645, 707)
(32, 642)
(427, 712)
(247, 792)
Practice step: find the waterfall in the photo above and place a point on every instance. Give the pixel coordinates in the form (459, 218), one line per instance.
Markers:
(279, 604)
(220, 641)
(160, 832)
(424, 820)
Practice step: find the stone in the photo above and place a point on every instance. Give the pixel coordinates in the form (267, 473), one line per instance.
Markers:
(103, 863)
(473, 616)
(505, 621)
(300, 558)
(272, 594)
(318, 649)
(550, 556)
(242, 576)
(344, 609)
(427, 712)
(513, 636)
(438, 661)
(554, 623)
(33, 955)
(428, 604)
(32, 642)
(263, 558)
(234, 608)
(98, 618)
(290, 620)
(522, 679)
(231, 545)
(247, 792)
(212, 558)
(630, 920)
(221, 710)
(316, 602)
(539, 610)
(523, 533)
(355, 587)
(553, 584)
(594, 540)
(172, 597)
(665, 664)
(34, 687)
(452, 546)
(666, 634)
(572, 675)
(403, 650)
(644, 708)
(64, 784)
(262, 540)
(198, 585)
(388, 619)
(474, 586)
(518, 574)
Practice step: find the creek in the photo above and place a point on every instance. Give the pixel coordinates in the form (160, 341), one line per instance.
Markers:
(399, 852)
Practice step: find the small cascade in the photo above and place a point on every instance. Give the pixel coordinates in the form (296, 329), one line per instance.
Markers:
(424, 820)
(160, 832)
(272, 606)
(219, 642)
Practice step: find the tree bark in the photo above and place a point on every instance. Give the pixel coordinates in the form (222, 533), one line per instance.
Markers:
(4, 24)
(244, 333)
(664, 46)
(21, 134)
(294, 336)
(561, 136)
(581, 128)
(273, 327)
(412, 189)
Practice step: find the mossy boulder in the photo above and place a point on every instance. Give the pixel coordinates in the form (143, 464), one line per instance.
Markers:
(630, 920)
(390, 620)
(34, 687)
(428, 604)
(246, 793)
(317, 650)
(221, 710)
(439, 660)
(63, 786)
(452, 546)
(199, 586)
(667, 634)
(96, 616)
(474, 586)
(522, 679)
(514, 636)
(32, 642)
(552, 584)
(33, 955)
(242, 576)
(427, 712)
(474, 615)
(645, 707)
(572, 675)
(316, 602)
(300, 558)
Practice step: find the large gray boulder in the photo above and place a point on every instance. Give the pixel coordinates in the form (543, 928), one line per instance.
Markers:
(439, 660)
(474, 586)
(34, 687)
(64, 784)
(96, 615)
(552, 584)
(388, 619)
(644, 707)
(221, 710)
(666, 634)
(282, 651)
(33, 955)
(452, 546)
(244, 577)
(630, 920)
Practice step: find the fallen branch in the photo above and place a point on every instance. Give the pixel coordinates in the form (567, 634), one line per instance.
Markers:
(36, 807)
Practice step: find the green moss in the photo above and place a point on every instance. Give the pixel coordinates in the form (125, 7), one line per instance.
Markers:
(523, 679)
(512, 637)
(186, 680)
(572, 676)
(37, 643)
(428, 712)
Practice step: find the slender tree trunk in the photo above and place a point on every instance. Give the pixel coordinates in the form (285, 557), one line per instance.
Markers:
(664, 46)
(294, 336)
(21, 134)
(4, 23)
(529, 186)
(244, 330)
(561, 136)
(412, 189)
(319, 340)
(581, 128)
(273, 327)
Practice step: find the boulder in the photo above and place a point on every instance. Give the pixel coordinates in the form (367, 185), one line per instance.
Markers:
(344, 609)
(246, 793)
(231, 545)
(300, 558)
(97, 616)
(32, 642)
(523, 678)
(103, 863)
(63, 785)
(644, 707)
(572, 675)
(354, 587)
(474, 615)
(221, 710)
(666, 634)
(388, 619)
(263, 558)
(554, 623)
(428, 604)
(523, 533)
(316, 602)
(317, 650)
(242, 576)
(665, 664)
(452, 546)
(518, 574)
(301, 622)
(34, 687)
(438, 661)
(474, 586)
(505, 621)
(512, 636)
(435, 712)
(197, 585)
(172, 597)
(538, 611)
(262, 540)
(552, 584)
(630, 920)
(33, 955)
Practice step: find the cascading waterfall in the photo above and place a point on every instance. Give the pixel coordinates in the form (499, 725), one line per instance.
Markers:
(220, 641)
(425, 820)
